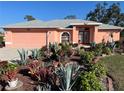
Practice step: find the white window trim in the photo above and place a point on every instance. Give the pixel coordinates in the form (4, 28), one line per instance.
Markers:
(61, 36)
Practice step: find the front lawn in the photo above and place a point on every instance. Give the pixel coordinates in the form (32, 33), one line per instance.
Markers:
(115, 67)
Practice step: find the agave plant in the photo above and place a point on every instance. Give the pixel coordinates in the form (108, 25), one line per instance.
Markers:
(67, 49)
(23, 56)
(35, 53)
(68, 75)
(44, 87)
(54, 49)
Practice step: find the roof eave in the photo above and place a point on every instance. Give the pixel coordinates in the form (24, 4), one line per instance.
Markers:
(110, 28)
(86, 24)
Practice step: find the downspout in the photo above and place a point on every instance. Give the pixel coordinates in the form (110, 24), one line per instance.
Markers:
(47, 45)
(47, 41)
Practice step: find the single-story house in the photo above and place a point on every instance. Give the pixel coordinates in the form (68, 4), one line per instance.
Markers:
(36, 33)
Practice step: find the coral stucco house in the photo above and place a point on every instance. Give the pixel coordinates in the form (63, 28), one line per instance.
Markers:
(35, 34)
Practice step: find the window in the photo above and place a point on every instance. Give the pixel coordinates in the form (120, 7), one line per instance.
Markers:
(65, 37)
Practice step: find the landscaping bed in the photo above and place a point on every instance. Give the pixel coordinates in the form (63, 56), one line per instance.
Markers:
(59, 68)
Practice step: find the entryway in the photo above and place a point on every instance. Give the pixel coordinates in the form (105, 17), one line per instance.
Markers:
(84, 36)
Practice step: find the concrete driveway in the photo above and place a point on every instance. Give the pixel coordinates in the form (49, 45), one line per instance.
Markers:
(10, 53)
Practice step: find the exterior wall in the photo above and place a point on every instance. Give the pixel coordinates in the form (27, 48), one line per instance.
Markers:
(75, 35)
(29, 38)
(104, 34)
(8, 38)
(37, 38)
(33, 38)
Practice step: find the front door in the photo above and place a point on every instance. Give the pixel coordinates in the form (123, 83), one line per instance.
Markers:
(84, 37)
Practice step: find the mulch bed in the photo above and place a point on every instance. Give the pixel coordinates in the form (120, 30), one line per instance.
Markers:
(27, 82)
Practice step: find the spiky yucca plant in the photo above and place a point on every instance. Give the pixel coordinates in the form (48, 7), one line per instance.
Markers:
(54, 49)
(68, 75)
(67, 49)
(45, 87)
(23, 56)
(35, 53)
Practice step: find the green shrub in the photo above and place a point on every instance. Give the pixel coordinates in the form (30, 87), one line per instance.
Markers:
(100, 45)
(106, 50)
(78, 51)
(98, 68)
(89, 82)
(86, 57)
(98, 51)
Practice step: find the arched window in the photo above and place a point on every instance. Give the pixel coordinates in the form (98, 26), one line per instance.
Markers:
(65, 37)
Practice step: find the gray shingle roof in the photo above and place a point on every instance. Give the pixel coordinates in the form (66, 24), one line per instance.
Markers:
(57, 24)
(106, 26)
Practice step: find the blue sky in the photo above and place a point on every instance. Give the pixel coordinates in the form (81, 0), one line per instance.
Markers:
(13, 12)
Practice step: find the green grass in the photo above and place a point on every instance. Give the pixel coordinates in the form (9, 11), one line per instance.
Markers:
(115, 67)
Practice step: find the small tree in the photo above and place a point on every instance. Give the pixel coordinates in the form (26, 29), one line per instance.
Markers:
(29, 18)
(107, 14)
(70, 17)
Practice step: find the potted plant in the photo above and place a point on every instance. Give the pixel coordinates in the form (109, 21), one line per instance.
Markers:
(10, 75)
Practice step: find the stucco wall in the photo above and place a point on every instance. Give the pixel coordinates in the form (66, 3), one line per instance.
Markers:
(104, 34)
(8, 38)
(36, 38)
(25, 38)
(33, 38)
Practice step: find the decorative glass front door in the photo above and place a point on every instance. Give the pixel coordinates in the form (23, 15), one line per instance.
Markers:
(84, 37)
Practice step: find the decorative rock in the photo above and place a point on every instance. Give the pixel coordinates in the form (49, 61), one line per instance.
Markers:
(110, 84)
(17, 88)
